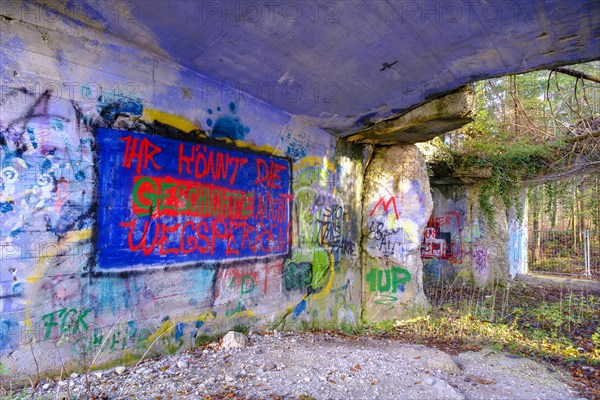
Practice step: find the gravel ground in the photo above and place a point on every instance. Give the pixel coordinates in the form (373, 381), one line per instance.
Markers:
(322, 366)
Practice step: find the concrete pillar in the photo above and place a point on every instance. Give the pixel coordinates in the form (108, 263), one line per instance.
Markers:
(396, 206)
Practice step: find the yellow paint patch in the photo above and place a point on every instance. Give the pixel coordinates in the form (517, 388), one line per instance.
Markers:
(392, 221)
(312, 161)
(327, 168)
(265, 149)
(175, 121)
(72, 237)
(166, 326)
(245, 313)
(28, 323)
(204, 317)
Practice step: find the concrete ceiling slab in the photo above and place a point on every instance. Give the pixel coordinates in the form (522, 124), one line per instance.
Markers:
(346, 65)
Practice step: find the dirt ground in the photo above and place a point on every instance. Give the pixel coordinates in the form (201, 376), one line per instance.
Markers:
(334, 365)
(287, 365)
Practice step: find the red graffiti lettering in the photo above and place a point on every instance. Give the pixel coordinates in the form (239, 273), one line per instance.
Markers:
(166, 196)
(386, 205)
(269, 173)
(142, 151)
(219, 164)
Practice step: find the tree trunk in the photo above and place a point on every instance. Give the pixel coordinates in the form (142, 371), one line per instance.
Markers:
(574, 214)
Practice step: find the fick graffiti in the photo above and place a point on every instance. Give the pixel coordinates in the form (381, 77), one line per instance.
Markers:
(162, 200)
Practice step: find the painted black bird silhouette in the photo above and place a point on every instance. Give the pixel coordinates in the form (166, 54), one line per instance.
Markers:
(388, 65)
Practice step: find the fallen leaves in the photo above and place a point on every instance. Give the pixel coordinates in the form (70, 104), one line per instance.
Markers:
(480, 380)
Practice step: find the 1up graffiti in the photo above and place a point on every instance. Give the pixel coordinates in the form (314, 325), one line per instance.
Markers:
(388, 280)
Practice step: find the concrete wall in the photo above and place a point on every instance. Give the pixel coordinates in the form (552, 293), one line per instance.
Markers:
(144, 207)
(224, 211)
(461, 243)
(396, 206)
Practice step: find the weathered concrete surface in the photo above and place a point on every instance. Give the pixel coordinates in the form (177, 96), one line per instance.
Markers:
(343, 65)
(75, 289)
(490, 251)
(424, 122)
(396, 206)
(290, 365)
(518, 233)
(461, 241)
(569, 283)
(510, 377)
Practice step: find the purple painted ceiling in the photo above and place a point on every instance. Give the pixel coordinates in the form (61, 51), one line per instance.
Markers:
(344, 65)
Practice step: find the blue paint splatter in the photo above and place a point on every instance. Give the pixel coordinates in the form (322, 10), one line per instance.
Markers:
(80, 176)
(16, 232)
(110, 107)
(227, 126)
(46, 166)
(6, 206)
(132, 330)
(8, 332)
(299, 309)
(179, 330)
(199, 324)
(295, 151)
(57, 125)
(18, 288)
(31, 133)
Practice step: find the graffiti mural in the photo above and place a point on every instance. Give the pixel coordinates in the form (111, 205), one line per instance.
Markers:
(162, 200)
(443, 238)
(46, 170)
(517, 247)
(387, 284)
(481, 261)
(392, 228)
(143, 209)
(322, 239)
(396, 207)
(446, 244)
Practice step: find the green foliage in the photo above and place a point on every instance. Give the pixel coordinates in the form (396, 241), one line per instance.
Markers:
(509, 165)
(530, 321)
(202, 340)
(596, 337)
(519, 131)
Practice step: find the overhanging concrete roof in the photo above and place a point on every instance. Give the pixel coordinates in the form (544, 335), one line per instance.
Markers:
(345, 65)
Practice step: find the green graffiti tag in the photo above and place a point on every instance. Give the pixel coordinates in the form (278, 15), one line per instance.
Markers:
(387, 280)
(247, 286)
(69, 321)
